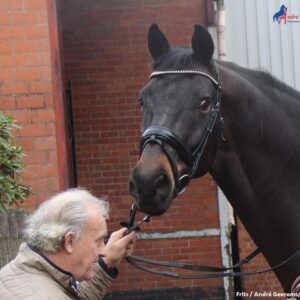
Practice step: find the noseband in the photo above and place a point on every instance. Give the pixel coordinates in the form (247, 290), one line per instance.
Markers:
(164, 136)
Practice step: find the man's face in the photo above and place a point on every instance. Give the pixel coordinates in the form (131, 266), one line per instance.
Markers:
(89, 246)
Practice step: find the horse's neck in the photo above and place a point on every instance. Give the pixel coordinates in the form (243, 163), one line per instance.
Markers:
(258, 165)
(262, 137)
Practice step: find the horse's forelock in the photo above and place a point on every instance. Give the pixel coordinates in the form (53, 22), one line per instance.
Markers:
(175, 59)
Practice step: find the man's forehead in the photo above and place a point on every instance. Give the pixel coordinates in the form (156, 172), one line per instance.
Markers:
(95, 220)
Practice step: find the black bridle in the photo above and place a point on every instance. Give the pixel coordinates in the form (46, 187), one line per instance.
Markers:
(164, 136)
(210, 271)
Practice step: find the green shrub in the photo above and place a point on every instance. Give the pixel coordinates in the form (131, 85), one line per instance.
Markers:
(12, 190)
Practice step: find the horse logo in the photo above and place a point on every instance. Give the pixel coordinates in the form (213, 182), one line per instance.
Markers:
(281, 14)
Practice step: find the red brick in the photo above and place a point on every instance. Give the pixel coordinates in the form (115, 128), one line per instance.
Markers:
(12, 60)
(43, 17)
(32, 130)
(42, 115)
(29, 172)
(4, 18)
(35, 4)
(5, 47)
(11, 5)
(7, 74)
(47, 171)
(7, 102)
(38, 59)
(21, 116)
(49, 100)
(25, 142)
(24, 18)
(14, 88)
(52, 156)
(32, 73)
(30, 202)
(50, 128)
(44, 195)
(37, 32)
(48, 185)
(35, 158)
(30, 101)
(39, 45)
(44, 143)
(9, 32)
(40, 87)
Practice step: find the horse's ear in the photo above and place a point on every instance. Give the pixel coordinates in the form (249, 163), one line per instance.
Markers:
(202, 44)
(157, 42)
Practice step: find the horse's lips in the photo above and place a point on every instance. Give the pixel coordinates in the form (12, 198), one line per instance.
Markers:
(155, 210)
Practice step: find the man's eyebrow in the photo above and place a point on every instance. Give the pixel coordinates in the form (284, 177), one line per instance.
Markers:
(102, 236)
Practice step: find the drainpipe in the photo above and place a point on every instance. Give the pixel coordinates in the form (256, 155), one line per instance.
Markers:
(221, 21)
(58, 94)
(227, 221)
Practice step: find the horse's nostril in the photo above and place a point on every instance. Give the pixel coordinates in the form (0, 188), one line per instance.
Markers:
(151, 190)
(162, 182)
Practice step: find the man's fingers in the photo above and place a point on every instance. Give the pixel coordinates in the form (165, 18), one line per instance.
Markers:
(128, 238)
(119, 246)
(130, 248)
(118, 234)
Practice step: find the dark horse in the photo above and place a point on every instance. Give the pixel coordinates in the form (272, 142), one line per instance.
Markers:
(253, 151)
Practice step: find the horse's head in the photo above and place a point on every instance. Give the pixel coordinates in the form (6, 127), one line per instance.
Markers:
(180, 106)
(282, 9)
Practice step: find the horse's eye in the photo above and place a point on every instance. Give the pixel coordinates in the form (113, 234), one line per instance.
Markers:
(141, 102)
(205, 105)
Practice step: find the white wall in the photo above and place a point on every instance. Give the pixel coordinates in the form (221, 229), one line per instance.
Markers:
(253, 40)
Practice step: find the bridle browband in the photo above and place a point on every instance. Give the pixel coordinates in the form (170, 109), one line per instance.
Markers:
(180, 72)
(164, 136)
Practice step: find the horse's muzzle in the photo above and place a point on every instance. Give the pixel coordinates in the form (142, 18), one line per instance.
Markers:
(151, 184)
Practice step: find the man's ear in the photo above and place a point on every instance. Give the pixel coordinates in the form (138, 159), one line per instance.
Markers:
(69, 242)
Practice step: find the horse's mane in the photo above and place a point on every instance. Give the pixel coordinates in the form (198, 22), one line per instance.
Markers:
(262, 79)
(175, 59)
(183, 58)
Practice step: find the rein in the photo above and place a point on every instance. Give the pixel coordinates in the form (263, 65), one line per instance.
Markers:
(213, 272)
(162, 136)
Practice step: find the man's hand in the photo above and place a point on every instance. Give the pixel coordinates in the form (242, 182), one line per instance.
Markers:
(118, 246)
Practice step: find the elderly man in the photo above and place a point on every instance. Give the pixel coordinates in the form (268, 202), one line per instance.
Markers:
(65, 256)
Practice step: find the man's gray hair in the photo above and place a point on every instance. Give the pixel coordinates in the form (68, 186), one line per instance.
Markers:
(65, 212)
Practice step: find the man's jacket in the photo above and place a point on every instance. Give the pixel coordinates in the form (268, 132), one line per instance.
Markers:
(32, 276)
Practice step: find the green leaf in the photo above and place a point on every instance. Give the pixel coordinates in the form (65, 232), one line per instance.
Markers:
(12, 189)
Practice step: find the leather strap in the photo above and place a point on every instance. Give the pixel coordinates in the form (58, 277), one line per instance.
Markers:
(215, 272)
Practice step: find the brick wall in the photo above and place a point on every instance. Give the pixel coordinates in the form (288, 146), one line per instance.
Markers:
(26, 90)
(106, 57)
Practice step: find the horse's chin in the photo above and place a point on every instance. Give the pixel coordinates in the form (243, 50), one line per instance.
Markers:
(153, 207)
